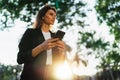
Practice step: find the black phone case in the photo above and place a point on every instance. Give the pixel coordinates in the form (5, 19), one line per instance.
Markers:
(59, 34)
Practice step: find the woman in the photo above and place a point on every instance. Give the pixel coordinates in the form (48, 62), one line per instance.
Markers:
(38, 50)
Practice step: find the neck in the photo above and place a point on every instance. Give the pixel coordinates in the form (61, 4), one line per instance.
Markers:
(45, 28)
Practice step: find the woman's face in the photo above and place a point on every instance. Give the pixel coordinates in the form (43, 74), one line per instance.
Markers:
(49, 17)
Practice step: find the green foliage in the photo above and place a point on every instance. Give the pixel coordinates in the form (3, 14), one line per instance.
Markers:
(110, 60)
(108, 53)
(90, 42)
(8, 72)
(109, 11)
(25, 10)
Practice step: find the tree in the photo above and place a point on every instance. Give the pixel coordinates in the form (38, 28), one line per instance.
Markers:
(25, 10)
(8, 72)
(109, 12)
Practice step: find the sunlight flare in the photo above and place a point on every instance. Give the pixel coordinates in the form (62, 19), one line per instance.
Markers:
(63, 72)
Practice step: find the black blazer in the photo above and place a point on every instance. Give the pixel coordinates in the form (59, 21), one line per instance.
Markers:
(30, 39)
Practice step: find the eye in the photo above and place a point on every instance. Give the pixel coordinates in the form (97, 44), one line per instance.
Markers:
(52, 14)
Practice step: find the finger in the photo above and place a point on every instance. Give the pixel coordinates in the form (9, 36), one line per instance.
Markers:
(51, 45)
(60, 43)
(53, 39)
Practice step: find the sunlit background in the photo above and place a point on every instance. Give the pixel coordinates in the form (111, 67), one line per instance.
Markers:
(10, 38)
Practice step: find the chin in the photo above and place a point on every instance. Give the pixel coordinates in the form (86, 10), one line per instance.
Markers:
(51, 23)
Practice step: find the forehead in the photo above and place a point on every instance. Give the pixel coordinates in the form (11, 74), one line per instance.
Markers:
(51, 11)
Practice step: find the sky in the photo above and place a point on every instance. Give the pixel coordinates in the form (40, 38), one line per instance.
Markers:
(9, 43)
(10, 39)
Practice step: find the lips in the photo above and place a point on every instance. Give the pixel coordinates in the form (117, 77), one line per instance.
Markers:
(53, 20)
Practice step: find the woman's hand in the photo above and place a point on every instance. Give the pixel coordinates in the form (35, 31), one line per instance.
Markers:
(61, 46)
(50, 43)
(59, 52)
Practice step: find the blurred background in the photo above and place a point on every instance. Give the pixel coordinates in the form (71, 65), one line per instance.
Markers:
(92, 36)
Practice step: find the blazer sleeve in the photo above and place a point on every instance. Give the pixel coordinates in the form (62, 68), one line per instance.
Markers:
(25, 48)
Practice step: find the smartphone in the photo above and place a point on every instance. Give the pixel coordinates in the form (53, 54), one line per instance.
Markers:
(59, 34)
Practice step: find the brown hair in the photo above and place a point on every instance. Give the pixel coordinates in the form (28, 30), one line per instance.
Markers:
(40, 15)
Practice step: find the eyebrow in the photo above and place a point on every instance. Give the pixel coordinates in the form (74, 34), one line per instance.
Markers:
(53, 13)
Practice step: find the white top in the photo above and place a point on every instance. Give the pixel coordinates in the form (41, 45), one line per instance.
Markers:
(49, 52)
